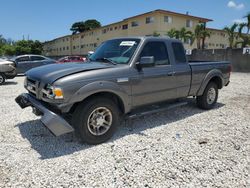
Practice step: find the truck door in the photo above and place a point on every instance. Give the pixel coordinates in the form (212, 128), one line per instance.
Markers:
(182, 70)
(154, 84)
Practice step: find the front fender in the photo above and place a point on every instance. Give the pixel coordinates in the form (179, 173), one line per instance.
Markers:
(211, 74)
(102, 86)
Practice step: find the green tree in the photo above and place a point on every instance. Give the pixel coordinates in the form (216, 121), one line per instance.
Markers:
(198, 34)
(248, 22)
(171, 33)
(204, 34)
(79, 27)
(36, 47)
(185, 34)
(92, 24)
(244, 37)
(8, 50)
(232, 35)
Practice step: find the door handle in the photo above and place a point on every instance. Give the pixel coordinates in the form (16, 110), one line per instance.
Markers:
(171, 74)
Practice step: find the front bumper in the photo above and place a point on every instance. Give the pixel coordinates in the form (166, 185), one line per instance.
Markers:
(54, 122)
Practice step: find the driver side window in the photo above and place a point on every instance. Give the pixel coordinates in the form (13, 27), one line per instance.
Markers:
(158, 50)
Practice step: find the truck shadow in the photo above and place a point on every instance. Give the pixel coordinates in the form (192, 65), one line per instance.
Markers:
(49, 146)
(9, 83)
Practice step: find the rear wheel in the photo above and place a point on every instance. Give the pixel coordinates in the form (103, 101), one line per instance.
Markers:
(96, 120)
(2, 78)
(209, 97)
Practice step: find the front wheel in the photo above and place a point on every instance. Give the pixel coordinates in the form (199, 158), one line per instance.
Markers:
(96, 120)
(209, 97)
(2, 78)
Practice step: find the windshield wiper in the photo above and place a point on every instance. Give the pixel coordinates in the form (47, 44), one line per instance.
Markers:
(104, 59)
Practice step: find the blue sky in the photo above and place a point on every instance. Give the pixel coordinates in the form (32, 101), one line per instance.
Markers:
(48, 19)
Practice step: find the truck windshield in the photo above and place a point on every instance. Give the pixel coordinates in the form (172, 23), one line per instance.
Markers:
(118, 51)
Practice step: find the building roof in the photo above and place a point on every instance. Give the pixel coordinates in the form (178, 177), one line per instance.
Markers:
(160, 11)
(172, 13)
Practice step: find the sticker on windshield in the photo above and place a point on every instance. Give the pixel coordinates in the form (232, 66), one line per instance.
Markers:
(127, 43)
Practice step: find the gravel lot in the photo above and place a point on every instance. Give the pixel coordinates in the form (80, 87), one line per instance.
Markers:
(184, 147)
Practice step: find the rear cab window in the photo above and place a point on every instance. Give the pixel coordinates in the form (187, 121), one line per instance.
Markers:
(158, 50)
(179, 52)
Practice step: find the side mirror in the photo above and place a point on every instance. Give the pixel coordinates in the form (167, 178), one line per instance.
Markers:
(146, 61)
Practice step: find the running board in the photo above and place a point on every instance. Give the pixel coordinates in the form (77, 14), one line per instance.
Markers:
(154, 109)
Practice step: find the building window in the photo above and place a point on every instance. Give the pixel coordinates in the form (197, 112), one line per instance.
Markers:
(82, 36)
(74, 47)
(125, 26)
(168, 19)
(111, 29)
(189, 23)
(150, 20)
(63, 48)
(67, 48)
(81, 46)
(104, 31)
(134, 24)
(115, 27)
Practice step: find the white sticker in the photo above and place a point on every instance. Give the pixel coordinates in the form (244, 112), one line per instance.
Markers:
(127, 43)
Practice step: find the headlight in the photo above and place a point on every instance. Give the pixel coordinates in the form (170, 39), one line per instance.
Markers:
(53, 92)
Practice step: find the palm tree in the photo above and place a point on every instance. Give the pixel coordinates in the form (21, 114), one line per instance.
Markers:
(248, 22)
(245, 38)
(232, 35)
(173, 33)
(198, 34)
(185, 34)
(204, 34)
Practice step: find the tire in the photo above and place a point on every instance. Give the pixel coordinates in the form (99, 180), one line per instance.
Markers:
(209, 98)
(2, 78)
(87, 118)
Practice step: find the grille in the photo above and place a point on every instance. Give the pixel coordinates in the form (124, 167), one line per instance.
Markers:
(32, 86)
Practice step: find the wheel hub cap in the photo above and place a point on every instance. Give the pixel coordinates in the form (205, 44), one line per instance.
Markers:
(99, 121)
(1, 79)
(211, 96)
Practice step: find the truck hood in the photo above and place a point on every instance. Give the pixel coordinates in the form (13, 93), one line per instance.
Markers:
(51, 73)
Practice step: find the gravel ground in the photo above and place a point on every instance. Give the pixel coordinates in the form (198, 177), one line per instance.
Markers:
(184, 147)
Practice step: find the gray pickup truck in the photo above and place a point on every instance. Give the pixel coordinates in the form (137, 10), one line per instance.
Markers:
(124, 78)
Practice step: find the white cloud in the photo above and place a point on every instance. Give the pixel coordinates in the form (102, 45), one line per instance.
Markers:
(238, 21)
(232, 4)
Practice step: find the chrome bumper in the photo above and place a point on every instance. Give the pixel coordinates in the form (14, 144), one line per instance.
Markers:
(55, 123)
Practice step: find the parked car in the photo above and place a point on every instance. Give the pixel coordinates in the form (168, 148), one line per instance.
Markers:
(27, 62)
(72, 59)
(127, 77)
(7, 70)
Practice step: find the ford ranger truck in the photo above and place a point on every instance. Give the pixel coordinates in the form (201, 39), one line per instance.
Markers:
(123, 78)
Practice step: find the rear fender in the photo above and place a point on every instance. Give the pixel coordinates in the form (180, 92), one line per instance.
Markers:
(210, 75)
